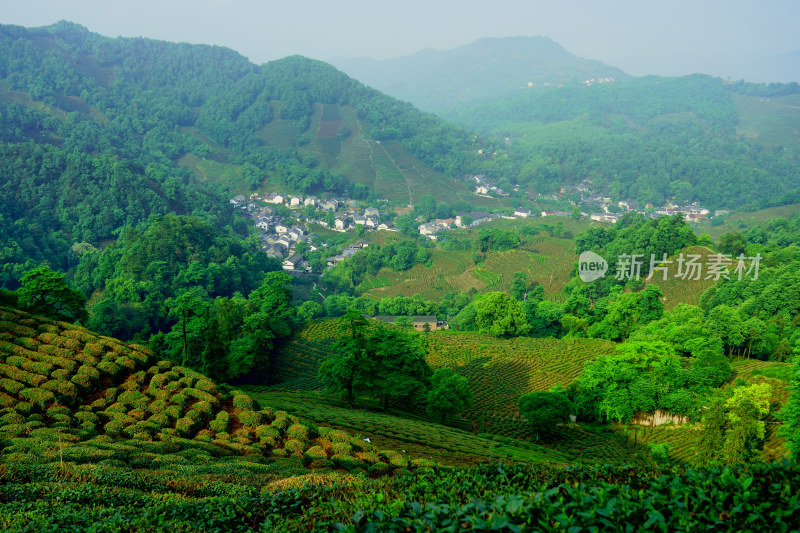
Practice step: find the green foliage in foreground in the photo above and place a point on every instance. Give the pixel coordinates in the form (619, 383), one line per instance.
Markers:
(758, 497)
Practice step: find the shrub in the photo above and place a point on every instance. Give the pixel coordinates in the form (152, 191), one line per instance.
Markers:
(297, 432)
(9, 385)
(82, 380)
(109, 368)
(66, 419)
(395, 458)
(204, 408)
(137, 414)
(22, 376)
(281, 422)
(38, 397)
(250, 418)
(134, 398)
(13, 430)
(6, 400)
(244, 402)
(160, 420)
(315, 453)
(267, 431)
(179, 399)
(113, 428)
(47, 336)
(185, 426)
(25, 363)
(369, 457)
(87, 416)
(93, 349)
(64, 388)
(160, 394)
(12, 418)
(206, 386)
(336, 435)
(243, 436)
(294, 447)
(117, 407)
(126, 362)
(173, 411)
(341, 448)
(200, 395)
(61, 374)
(220, 423)
(56, 409)
(279, 452)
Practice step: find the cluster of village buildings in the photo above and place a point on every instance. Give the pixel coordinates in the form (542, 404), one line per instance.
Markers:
(280, 240)
(693, 212)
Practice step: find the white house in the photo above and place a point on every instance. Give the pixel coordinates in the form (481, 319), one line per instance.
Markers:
(295, 201)
(281, 228)
(371, 212)
(522, 213)
(263, 225)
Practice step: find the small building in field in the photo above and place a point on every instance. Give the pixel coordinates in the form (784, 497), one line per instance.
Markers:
(418, 322)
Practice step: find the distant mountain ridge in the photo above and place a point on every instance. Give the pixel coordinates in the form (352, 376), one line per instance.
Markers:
(434, 80)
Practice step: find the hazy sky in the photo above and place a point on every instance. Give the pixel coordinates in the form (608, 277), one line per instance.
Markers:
(668, 37)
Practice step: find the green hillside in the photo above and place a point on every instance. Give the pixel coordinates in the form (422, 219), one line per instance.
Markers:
(119, 130)
(650, 139)
(544, 258)
(499, 372)
(72, 397)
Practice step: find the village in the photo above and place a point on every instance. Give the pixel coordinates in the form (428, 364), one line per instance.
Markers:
(283, 219)
(582, 195)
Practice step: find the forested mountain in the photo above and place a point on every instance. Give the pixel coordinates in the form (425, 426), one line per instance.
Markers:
(99, 133)
(693, 138)
(488, 68)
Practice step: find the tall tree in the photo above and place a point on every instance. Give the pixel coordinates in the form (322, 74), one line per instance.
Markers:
(46, 292)
(449, 394)
(502, 316)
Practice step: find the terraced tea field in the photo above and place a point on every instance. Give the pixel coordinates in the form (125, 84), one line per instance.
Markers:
(418, 437)
(502, 370)
(70, 395)
(499, 372)
(544, 259)
(677, 290)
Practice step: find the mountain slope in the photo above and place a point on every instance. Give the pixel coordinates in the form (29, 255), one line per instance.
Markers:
(436, 80)
(99, 133)
(73, 396)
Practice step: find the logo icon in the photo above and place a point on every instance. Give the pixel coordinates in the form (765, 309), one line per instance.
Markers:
(591, 266)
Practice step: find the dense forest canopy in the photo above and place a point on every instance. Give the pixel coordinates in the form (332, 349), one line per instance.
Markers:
(103, 123)
(649, 139)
